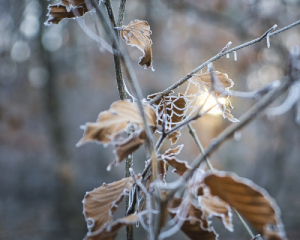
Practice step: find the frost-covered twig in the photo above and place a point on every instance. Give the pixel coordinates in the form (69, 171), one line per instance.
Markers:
(199, 145)
(121, 13)
(219, 55)
(257, 93)
(117, 58)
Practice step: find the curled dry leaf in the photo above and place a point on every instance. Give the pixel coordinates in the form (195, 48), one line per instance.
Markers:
(110, 231)
(70, 9)
(102, 202)
(250, 200)
(212, 206)
(174, 107)
(170, 157)
(114, 125)
(193, 226)
(137, 34)
(217, 86)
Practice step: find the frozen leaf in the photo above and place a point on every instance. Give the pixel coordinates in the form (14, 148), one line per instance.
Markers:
(110, 231)
(224, 82)
(101, 203)
(128, 146)
(170, 157)
(174, 107)
(174, 136)
(137, 33)
(116, 119)
(194, 226)
(218, 87)
(114, 126)
(58, 12)
(250, 200)
(162, 168)
(212, 206)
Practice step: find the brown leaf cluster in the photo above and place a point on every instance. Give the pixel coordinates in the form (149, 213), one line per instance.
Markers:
(100, 204)
(174, 107)
(122, 126)
(251, 201)
(218, 86)
(214, 194)
(68, 9)
(137, 34)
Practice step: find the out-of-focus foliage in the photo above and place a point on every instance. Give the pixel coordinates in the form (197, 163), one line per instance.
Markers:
(54, 79)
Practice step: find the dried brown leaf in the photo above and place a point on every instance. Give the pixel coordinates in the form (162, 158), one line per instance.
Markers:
(114, 125)
(137, 33)
(250, 200)
(194, 226)
(110, 231)
(123, 149)
(220, 89)
(174, 107)
(170, 157)
(223, 83)
(101, 203)
(58, 12)
(212, 206)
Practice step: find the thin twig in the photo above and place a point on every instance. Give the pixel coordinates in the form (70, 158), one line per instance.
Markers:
(248, 229)
(117, 58)
(257, 93)
(121, 13)
(219, 55)
(199, 145)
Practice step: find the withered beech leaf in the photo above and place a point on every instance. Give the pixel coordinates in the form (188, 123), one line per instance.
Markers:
(69, 9)
(194, 226)
(101, 203)
(250, 200)
(212, 206)
(162, 168)
(110, 231)
(122, 126)
(137, 34)
(223, 83)
(170, 157)
(219, 87)
(175, 109)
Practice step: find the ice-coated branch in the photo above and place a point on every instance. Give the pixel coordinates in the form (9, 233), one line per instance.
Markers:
(117, 58)
(257, 93)
(121, 13)
(268, 33)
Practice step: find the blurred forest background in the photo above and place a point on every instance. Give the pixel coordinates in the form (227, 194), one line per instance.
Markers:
(54, 79)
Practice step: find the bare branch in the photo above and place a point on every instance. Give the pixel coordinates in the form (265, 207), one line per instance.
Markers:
(257, 93)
